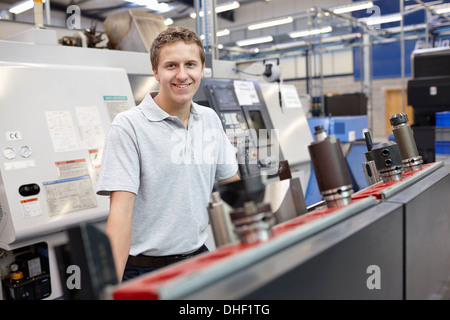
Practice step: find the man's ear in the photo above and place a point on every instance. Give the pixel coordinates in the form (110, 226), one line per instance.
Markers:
(203, 70)
(155, 73)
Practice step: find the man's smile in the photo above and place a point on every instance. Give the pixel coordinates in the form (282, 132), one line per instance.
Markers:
(182, 86)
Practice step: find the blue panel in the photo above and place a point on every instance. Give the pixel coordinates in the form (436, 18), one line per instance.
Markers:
(345, 128)
(312, 194)
(339, 128)
(386, 58)
(442, 147)
(386, 7)
(355, 158)
(443, 119)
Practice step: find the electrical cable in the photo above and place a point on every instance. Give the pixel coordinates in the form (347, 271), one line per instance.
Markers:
(245, 72)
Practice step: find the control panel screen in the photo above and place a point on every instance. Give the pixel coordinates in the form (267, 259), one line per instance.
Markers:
(257, 120)
(225, 97)
(231, 118)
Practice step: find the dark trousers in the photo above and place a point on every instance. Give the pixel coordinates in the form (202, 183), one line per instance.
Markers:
(132, 271)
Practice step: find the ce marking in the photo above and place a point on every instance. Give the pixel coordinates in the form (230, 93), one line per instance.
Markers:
(13, 135)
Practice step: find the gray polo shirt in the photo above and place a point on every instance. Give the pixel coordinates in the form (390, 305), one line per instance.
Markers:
(170, 169)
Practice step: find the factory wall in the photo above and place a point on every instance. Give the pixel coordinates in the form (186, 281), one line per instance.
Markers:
(337, 69)
(347, 84)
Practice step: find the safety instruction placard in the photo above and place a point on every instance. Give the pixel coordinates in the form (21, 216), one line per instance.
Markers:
(30, 208)
(116, 104)
(245, 92)
(72, 168)
(290, 96)
(62, 131)
(90, 127)
(69, 195)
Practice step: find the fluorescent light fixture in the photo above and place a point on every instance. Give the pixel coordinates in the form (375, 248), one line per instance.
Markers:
(289, 45)
(270, 23)
(248, 42)
(442, 9)
(341, 38)
(168, 21)
(353, 7)
(382, 19)
(223, 32)
(224, 7)
(227, 6)
(152, 5)
(306, 33)
(22, 7)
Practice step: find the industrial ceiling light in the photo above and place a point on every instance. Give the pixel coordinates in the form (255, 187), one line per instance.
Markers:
(227, 6)
(248, 42)
(22, 7)
(223, 32)
(442, 9)
(306, 33)
(152, 5)
(381, 19)
(221, 8)
(353, 7)
(270, 23)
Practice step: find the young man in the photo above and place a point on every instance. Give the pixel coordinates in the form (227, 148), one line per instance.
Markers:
(153, 167)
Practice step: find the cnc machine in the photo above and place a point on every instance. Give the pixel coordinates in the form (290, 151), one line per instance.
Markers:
(54, 120)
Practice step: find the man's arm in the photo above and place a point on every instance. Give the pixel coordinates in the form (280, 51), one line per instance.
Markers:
(232, 179)
(118, 227)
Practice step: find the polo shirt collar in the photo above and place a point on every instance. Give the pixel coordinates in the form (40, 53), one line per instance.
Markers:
(154, 113)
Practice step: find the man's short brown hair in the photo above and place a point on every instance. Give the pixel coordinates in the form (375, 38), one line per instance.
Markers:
(172, 35)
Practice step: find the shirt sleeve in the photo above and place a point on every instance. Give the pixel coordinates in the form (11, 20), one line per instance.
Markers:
(120, 170)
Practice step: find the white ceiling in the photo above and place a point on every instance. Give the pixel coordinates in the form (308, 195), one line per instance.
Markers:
(236, 21)
(100, 9)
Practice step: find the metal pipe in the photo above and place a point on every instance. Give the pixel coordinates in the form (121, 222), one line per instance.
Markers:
(402, 58)
(367, 74)
(47, 13)
(219, 218)
(330, 167)
(404, 137)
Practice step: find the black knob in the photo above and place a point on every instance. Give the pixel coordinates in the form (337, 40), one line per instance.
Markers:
(398, 118)
(27, 190)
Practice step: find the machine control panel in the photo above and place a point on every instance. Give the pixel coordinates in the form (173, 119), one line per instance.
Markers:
(245, 120)
(235, 127)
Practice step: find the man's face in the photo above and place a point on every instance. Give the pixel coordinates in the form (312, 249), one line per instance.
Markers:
(179, 73)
